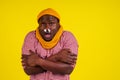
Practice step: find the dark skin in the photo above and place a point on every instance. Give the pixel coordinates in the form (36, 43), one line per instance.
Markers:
(55, 63)
(60, 63)
(48, 22)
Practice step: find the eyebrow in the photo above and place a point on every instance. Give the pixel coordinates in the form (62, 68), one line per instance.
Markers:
(49, 18)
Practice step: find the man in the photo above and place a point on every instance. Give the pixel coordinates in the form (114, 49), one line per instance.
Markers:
(49, 53)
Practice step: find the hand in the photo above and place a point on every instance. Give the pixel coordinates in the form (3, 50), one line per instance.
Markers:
(31, 69)
(24, 60)
(65, 55)
(52, 58)
(32, 59)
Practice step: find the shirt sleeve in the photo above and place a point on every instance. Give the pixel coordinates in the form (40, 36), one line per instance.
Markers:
(70, 42)
(28, 43)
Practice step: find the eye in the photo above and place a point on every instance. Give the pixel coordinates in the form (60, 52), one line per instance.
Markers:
(43, 24)
(51, 23)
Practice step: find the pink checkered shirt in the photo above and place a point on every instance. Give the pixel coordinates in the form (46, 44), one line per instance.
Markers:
(67, 40)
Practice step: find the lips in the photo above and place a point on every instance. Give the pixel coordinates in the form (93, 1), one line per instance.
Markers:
(47, 35)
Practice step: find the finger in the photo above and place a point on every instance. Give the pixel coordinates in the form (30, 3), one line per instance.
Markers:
(68, 50)
(24, 64)
(73, 57)
(24, 56)
(24, 61)
(70, 61)
(74, 61)
(72, 54)
(32, 52)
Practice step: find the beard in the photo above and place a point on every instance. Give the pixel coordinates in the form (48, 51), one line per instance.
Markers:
(48, 36)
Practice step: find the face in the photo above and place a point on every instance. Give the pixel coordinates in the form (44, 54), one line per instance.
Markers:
(48, 27)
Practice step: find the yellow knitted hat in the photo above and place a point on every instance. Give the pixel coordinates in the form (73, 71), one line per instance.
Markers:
(48, 11)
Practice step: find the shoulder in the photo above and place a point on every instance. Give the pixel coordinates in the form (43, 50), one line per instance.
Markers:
(69, 41)
(68, 37)
(30, 34)
(67, 34)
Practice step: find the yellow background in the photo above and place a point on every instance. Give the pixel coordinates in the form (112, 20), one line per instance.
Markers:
(95, 24)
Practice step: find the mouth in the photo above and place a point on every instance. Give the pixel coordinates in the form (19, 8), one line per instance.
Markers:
(47, 35)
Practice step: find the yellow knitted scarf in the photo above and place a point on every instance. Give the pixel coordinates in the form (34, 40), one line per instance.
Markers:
(53, 42)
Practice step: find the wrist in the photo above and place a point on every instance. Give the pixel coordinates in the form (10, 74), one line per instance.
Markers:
(39, 61)
(57, 57)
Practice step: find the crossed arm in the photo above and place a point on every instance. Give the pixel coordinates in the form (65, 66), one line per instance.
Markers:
(60, 63)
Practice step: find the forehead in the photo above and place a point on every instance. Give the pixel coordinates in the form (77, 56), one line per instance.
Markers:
(47, 18)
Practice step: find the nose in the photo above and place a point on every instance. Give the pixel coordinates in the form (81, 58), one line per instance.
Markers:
(47, 30)
(47, 26)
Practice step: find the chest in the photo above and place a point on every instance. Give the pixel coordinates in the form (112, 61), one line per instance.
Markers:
(44, 53)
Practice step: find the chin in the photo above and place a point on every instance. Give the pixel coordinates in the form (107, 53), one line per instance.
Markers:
(48, 40)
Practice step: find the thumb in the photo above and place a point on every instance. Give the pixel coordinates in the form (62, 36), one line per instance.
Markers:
(31, 52)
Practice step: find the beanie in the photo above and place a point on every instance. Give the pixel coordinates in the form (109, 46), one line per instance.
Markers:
(48, 11)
